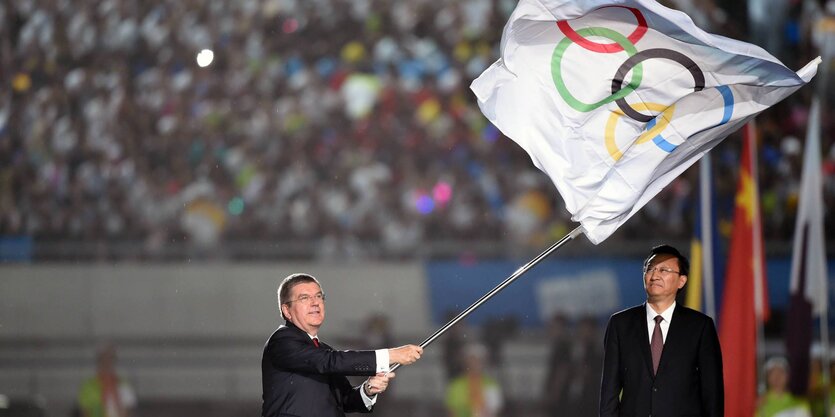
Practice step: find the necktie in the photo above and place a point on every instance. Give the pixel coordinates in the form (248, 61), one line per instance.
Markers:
(316, 341)
(657, 344)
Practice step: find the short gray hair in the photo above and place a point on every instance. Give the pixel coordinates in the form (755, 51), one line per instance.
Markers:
(288, 283)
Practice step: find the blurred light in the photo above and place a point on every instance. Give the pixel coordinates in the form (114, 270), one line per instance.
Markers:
(21, 82)
(290, 25)
(490, 133)
(235, 206)
(205, 58)
(442, 192)
(424, 204)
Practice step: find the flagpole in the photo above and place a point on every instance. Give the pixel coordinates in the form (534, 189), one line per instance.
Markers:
(758, 261)
(826, 359)
(707, 234)
(820, 101)
(823, 88)
(509, 280)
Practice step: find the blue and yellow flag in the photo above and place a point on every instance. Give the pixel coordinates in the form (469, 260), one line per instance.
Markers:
(704, 247)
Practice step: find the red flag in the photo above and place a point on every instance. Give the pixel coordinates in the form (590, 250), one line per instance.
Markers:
(744, 300)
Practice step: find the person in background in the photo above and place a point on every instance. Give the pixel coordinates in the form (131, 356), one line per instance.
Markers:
(474, 393)
(558, 368)
(777, 400)
(581, 389)
(106, 394)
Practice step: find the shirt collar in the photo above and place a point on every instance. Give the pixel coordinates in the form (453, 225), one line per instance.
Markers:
(666, 314)
(289, 323)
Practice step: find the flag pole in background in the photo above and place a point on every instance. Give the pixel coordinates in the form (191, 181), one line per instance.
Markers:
(708, 220)
(758, 251)
(826, 30)
(700, 292)
(498, 288)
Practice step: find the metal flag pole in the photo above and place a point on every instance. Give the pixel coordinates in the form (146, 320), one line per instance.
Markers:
(509, 280)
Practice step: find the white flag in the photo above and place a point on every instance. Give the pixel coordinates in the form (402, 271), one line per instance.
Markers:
(808, 277)
(614, 99)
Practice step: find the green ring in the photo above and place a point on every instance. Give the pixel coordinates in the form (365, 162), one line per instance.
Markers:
(556, 72)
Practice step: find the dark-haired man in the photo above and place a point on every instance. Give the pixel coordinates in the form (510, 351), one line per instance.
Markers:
(662, 359)
(303, 376)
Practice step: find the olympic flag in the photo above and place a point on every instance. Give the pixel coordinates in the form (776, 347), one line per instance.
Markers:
(615, 99)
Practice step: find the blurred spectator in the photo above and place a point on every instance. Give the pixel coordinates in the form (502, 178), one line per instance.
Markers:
(106, 394)
(495, 332)
(777, 400)
(818, 390)
(558, 368)
(454, 342)
(378, 331)
(342, 134)
(474, 393)
(585, 362)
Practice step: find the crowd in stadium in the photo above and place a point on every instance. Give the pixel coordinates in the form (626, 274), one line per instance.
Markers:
(326, 121)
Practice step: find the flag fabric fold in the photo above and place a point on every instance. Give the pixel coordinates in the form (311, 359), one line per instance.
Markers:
(744, 301)
(612, 100)
(808, 286)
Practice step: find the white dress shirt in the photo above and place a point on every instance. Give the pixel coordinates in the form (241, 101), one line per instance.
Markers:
(382, 356)
(667, 316)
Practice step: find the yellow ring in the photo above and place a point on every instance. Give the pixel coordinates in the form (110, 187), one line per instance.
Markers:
(666, 116)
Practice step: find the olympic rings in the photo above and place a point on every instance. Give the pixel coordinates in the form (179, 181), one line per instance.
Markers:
(653, 131)
(605, 48)
(556, 71)
(655, 125)
(686, 62)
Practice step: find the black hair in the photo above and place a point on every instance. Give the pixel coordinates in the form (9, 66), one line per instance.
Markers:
(683, 263)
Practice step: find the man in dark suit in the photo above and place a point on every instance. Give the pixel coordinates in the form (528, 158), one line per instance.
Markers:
(304, 377)
(662, 359)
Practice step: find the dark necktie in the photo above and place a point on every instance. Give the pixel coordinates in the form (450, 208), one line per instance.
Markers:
(316, 341)
(657, 344)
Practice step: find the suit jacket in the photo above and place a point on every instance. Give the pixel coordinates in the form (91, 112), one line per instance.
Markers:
(301, 380)
(689, 380)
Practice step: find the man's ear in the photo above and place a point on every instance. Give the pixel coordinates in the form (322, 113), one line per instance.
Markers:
(681, 281)
(285, 313)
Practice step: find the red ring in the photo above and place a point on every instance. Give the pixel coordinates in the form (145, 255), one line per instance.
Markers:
(605, 48)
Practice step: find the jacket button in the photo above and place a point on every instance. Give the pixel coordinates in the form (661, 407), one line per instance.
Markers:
(654, 389)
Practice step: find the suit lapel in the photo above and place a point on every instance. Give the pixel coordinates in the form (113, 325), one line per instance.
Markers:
(674, 335)
(641, 319)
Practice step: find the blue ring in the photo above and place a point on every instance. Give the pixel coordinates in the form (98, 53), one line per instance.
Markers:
(727, 97)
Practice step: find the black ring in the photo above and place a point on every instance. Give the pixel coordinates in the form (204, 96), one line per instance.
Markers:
(686, 62)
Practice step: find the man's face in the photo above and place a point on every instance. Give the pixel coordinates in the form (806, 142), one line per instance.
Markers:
(662, 279)
(305, 309)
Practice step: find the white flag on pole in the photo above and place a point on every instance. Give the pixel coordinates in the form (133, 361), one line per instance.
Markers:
(614, 99)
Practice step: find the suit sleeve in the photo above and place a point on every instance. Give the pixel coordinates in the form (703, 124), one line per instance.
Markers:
(351, 398)
(710, 367)
(611, 382)
(297, 355)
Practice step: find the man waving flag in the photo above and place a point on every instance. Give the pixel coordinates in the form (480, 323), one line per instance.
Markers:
(614, 99)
